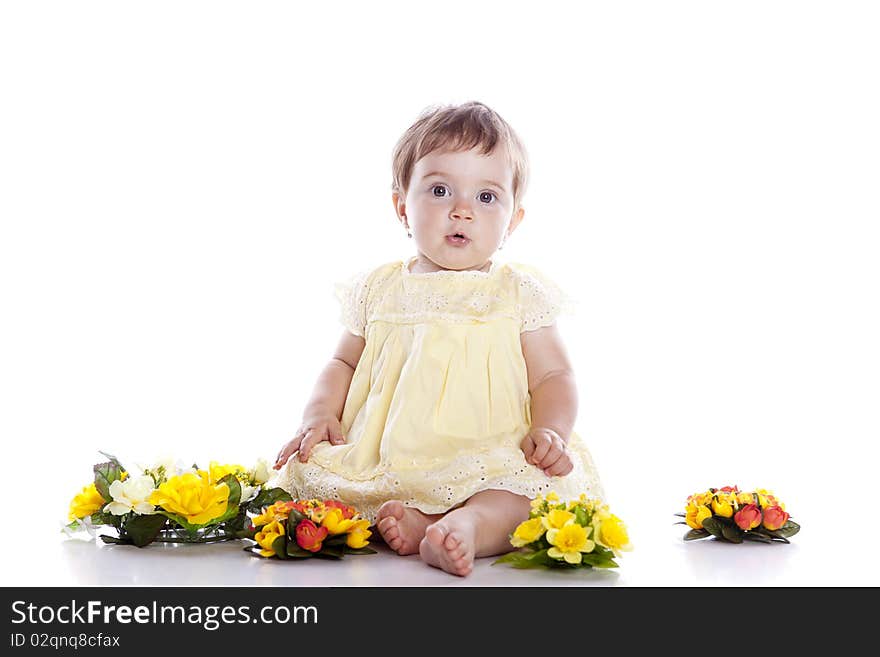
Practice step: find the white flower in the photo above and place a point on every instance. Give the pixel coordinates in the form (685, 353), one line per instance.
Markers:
(131, 495)
(248, 492)
(259, 474)
(78, 525)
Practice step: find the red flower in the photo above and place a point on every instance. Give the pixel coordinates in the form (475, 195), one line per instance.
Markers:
(748, 517)
(309, 536)
(347, 511)
(775, 517)
(729, 489)
(295, 504)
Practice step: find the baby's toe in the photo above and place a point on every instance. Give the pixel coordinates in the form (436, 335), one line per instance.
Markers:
(435, 535)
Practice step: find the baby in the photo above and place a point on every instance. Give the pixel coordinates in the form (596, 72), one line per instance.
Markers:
(450, 401)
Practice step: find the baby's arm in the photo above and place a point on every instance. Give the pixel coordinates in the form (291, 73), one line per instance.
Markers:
(553, 400)
(324, 408)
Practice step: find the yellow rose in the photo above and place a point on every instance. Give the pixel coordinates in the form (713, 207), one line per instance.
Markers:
(335, 523)
(557, 518)
(267, 535)
(696, 515)
(216, 472)
(722, 505)
(85, 503)
(192, 496)
(526, 532)
(745, 498)
(358, 535)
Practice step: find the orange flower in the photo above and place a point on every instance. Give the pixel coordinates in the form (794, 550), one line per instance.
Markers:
(748, 517)
(309, 536)
(775, 517)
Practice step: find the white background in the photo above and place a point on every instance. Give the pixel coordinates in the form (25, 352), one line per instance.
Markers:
(181, 183)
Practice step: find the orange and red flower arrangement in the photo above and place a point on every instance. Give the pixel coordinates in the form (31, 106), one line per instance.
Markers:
(296, 529)
(732, 515)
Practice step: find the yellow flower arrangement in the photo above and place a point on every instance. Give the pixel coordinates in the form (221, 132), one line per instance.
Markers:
(732, 515)
(295, 529)
(577, 534)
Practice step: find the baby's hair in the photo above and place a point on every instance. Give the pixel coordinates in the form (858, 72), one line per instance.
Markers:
(458, 128)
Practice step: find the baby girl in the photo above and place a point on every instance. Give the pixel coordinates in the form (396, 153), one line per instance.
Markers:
(450, 401)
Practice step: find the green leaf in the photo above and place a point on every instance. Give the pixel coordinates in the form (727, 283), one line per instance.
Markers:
(238, 523)
(106, 474)
(279, 547)
(712, 526)
(526, 559)
(775, 535)
(296, 516)
(333, 551)
(114, 540)
(234, 489)
(144, 529)
(101, 518)
(754, 536)
(732, 533)
(339, 539)
(696, 534)
(294, 550)
(790, 528)
(268, 497)
(580, 516)
(181, 521)
(598, 560)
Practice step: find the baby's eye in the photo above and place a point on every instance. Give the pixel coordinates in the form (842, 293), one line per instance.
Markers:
(490, 195)
(434, 189)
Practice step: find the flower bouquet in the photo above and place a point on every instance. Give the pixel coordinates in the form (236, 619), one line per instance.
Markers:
(581, 534)
(170, 503)
(309, 528)
(732, 515)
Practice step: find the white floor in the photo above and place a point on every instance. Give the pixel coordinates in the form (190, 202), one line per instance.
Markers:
(660, 558)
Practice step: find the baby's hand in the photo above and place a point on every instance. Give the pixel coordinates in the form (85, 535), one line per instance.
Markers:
(545, 449)
(312, 431)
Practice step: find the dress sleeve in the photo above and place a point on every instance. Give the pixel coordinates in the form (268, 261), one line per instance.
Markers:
(541, 300)
(352, 296)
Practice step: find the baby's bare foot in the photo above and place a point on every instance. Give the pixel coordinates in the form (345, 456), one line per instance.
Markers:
(402, 527)
(449, 544)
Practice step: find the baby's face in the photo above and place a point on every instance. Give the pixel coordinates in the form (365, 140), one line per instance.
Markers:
(462, 192)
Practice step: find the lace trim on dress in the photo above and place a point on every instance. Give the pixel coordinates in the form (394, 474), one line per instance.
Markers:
(392, 293)
(541, 300)
(352, 297)
(453, 483)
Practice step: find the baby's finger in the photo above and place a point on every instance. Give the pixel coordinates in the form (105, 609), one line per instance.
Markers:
(542, 446)
(561, 467)
(286, 451)
(336, 437)
(313, 437)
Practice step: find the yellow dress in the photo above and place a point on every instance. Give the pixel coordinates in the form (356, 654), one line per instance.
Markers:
(439, 402)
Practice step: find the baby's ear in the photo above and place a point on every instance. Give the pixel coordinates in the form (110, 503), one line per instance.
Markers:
(516, 219)
(399, 203)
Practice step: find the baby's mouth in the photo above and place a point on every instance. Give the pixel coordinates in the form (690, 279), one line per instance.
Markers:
(458, 239)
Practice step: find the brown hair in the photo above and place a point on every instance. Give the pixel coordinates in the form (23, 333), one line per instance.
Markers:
(458, 128)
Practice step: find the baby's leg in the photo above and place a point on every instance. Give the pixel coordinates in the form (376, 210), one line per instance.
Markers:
(402, 528)
(480, 528)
